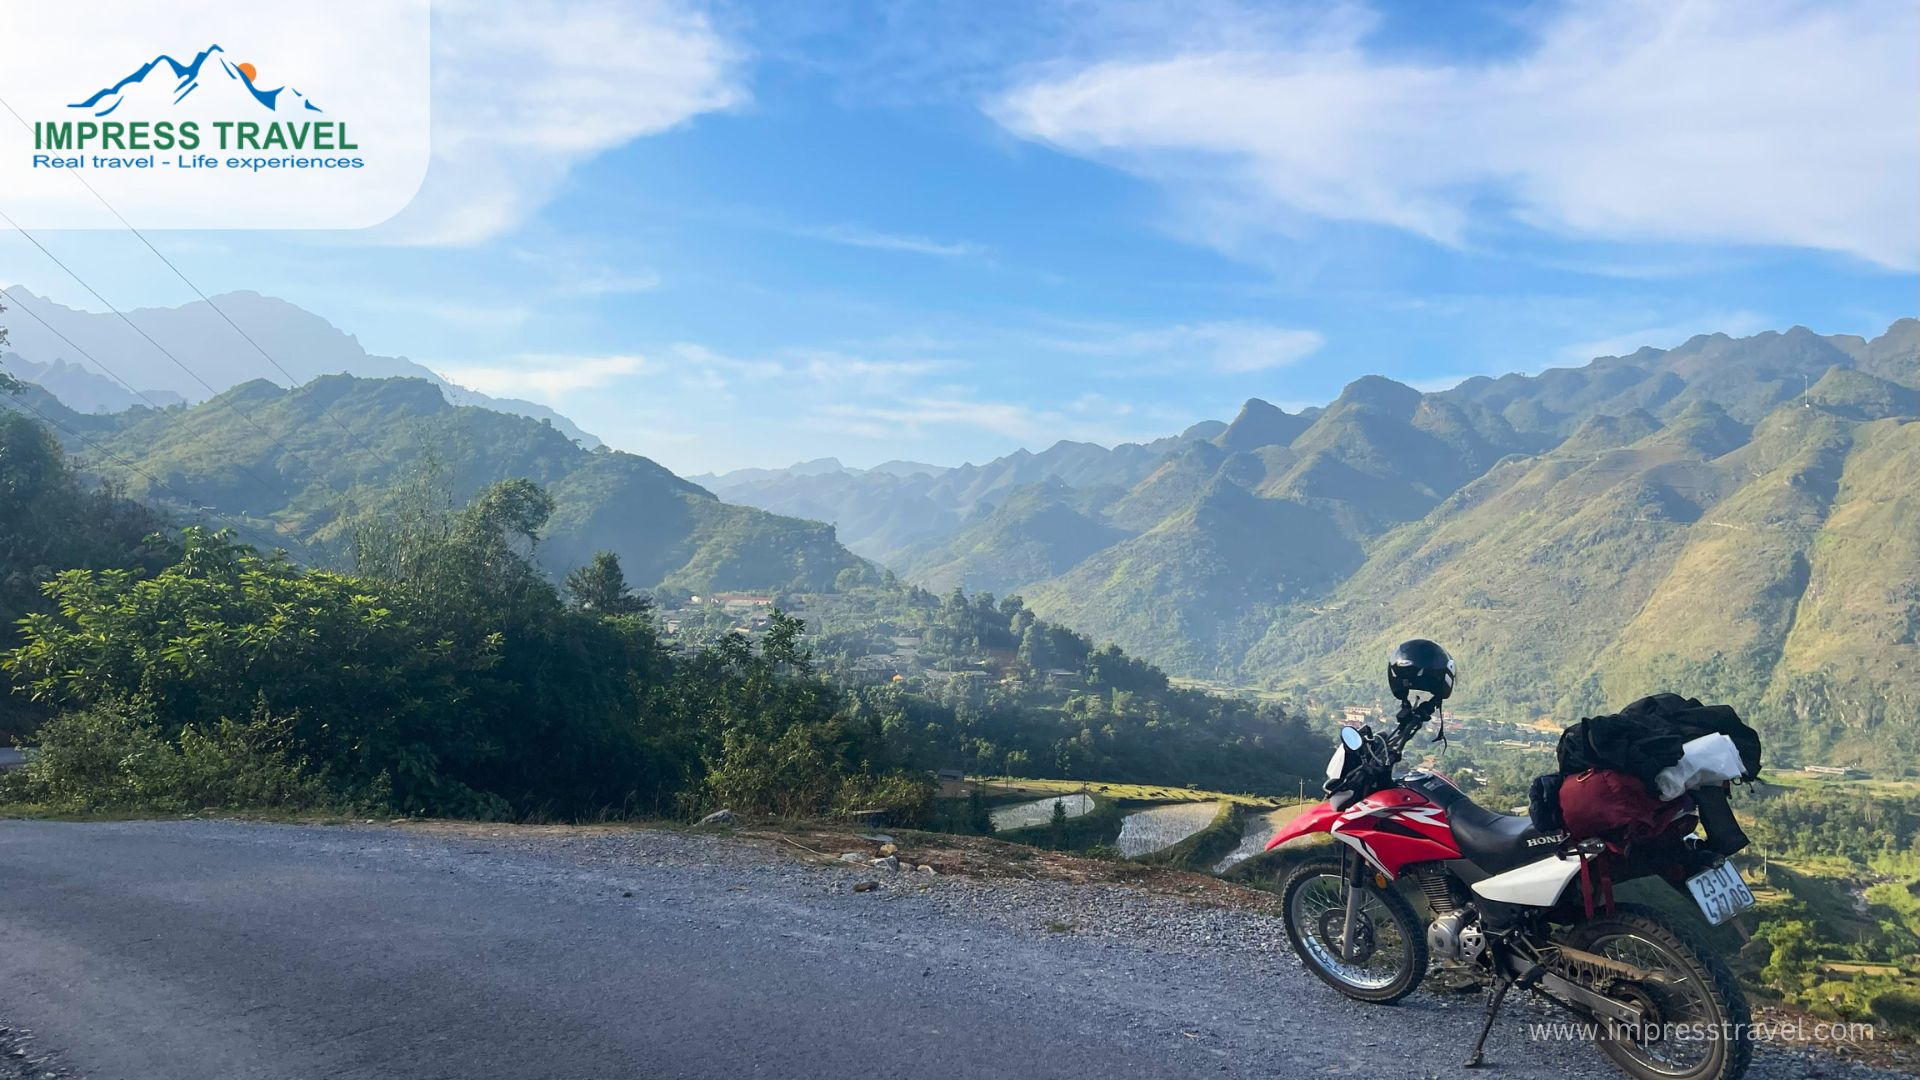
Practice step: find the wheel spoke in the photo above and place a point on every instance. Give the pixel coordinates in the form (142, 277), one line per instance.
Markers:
(1319, 911)
(1674, 1000)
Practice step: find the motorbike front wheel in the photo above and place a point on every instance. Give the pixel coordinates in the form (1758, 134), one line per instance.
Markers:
(1389, 954)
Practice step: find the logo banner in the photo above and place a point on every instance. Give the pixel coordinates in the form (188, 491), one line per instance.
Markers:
(214, 114)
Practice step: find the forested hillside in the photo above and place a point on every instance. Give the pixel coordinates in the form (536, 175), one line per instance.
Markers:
(304, 465)
(1724, 518)
(429, 661)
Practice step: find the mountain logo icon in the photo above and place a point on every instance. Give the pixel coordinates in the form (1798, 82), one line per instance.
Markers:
(166, 80)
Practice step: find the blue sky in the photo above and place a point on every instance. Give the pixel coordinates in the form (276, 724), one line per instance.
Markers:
(751, 234)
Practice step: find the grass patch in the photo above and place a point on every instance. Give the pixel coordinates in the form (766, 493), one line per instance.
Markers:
(1014, 789)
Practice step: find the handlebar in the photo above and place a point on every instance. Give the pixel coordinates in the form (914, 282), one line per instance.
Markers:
(1382, 752)
(1410, 719)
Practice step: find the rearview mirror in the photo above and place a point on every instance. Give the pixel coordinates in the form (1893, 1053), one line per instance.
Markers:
(1350, 738)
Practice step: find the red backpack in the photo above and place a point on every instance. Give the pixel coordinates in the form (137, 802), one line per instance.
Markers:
(1614, 806)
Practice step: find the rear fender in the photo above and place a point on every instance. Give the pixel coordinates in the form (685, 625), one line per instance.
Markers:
(1316, 818)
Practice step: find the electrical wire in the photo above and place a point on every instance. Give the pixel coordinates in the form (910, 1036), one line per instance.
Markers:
(204, 433)
(21, 402)
(292, 380)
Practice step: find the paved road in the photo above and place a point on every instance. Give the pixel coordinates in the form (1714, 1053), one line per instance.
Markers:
(202, 950)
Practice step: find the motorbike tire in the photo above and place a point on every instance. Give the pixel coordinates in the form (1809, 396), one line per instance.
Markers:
(1411, 931)
(1732, 1049)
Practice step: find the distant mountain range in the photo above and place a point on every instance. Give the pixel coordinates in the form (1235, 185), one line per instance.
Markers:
(272, 461)
(303, 343)
(1727, 518)
(1732, 518)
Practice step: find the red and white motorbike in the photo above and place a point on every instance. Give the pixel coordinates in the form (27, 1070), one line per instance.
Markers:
(1517, 905)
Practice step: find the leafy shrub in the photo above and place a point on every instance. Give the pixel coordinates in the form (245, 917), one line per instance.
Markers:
(116, 757)
(1899, 1010)
(905, 798)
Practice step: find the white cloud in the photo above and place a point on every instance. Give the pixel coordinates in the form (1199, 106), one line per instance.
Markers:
(611, 283)
(692, 356)
(834, 368)
(524, 90)
(863, 237)
(544, 376)
(1719, 121)
(1228, 348)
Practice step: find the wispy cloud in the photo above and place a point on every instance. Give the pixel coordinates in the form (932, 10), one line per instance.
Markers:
(862, 237)
(1713, 122)
(524, 90)
(1227, 348)
(574, 273)
(544, 376)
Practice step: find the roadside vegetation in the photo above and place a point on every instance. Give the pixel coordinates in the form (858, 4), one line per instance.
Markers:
(441, 672)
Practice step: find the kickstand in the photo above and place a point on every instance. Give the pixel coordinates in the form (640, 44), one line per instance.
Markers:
(1494, 997)
(1497, 996)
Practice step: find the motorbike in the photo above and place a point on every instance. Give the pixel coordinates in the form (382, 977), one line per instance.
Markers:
(1515, 907)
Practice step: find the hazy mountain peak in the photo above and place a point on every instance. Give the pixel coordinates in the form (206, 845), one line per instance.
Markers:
(303, 343)
(1705, 428)
(1380, 393)
(1260, 424)
(1607, 432)
(1860, 396)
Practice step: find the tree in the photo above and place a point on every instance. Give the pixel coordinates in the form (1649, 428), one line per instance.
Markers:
(1791, 966)
(979, 818)
(600, 587)
(1057, 825)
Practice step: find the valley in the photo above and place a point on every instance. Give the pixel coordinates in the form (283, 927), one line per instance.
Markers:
(1726, 517)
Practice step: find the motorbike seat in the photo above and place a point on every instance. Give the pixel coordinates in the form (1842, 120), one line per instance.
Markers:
(1497, 842)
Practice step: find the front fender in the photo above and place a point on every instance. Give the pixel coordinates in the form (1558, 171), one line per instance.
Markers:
(1316, 818)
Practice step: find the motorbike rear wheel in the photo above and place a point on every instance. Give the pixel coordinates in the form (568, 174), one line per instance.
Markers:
(1698, 1026)
(1389, 957)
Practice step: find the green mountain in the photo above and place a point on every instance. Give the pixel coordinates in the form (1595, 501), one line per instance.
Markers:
(1035, 533)
(306, 463)
(1771, 566)
(896, 512)
(1724, 518)
(1193, 588)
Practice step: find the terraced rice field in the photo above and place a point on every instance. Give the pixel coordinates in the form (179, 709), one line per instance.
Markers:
(1147, 831)
(1039, 812)
(1259, 829)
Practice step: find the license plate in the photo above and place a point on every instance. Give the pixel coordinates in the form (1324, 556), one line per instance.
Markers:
(1720, 893)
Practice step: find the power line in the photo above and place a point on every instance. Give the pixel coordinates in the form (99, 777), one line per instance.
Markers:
(213, 395)
(204, 433)
(177, 272)
(55, 331)
(182, 496)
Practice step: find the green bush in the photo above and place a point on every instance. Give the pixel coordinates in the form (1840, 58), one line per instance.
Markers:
(1899, 1010)
(906, 799)
(115, 757)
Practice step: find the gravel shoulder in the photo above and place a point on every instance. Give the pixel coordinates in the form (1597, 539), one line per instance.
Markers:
(217, 949)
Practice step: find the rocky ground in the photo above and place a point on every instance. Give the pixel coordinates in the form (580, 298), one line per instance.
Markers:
(229, 949)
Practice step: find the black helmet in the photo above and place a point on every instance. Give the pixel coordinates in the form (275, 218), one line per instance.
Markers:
(1420, 665)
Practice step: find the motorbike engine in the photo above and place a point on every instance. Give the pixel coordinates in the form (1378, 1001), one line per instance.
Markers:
(1456, 935)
